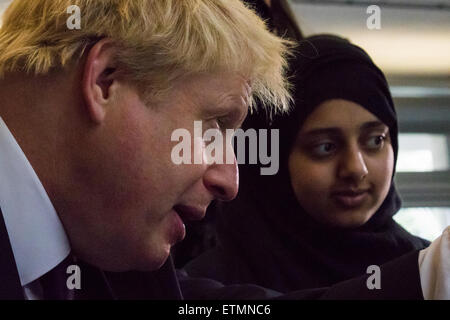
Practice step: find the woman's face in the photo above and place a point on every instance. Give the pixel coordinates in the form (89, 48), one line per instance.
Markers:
(341, 164)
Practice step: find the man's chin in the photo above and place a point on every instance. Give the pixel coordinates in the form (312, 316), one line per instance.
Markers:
(155, 260)
(150, 260)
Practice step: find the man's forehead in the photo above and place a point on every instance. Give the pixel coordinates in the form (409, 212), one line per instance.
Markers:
(218, 88)
(221, 81)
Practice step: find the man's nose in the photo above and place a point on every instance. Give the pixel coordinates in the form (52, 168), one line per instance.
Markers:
(353, 165)
(222, 180)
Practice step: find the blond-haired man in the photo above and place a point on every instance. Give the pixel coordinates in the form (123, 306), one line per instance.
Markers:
(87, 111)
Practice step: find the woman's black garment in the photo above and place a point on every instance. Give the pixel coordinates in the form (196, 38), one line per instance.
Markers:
(266, 237)
(279, 17)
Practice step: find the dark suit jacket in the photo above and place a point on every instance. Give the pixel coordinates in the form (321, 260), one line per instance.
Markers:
(95, 284)
(400, 280)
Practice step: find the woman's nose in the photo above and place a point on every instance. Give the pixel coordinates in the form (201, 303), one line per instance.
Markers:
(353, 165)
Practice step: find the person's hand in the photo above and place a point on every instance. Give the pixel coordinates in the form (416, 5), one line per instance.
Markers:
(434, 265)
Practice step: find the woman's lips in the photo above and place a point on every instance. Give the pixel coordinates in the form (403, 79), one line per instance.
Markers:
(350, 198)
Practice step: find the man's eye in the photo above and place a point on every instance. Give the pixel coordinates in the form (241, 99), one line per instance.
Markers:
(225, 123)
(221, 123)
(375, 142)
(215, 123)
(323, 149)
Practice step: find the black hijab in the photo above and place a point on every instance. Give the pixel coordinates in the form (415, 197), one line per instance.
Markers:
(265, 236)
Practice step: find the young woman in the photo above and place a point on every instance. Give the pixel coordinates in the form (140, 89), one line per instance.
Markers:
(326, 216)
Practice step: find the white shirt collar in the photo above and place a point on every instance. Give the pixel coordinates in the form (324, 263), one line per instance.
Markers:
(38, 240)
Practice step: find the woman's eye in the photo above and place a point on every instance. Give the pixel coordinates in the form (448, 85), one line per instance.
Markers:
(323, 149)
(376, 142)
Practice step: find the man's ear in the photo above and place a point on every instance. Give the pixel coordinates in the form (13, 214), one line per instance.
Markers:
(99, 77)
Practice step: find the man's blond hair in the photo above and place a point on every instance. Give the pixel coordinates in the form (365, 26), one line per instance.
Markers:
(158, 41)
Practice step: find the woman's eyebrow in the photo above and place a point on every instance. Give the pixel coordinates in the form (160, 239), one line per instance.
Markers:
(321, 131)
(336, 131)
(372, 125)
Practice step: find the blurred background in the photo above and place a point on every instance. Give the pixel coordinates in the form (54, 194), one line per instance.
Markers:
(411, 44)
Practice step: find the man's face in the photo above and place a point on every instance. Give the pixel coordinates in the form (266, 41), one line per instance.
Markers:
(146, 197)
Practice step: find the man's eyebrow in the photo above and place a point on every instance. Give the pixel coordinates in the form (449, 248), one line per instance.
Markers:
(242, 119)
(232, 111)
